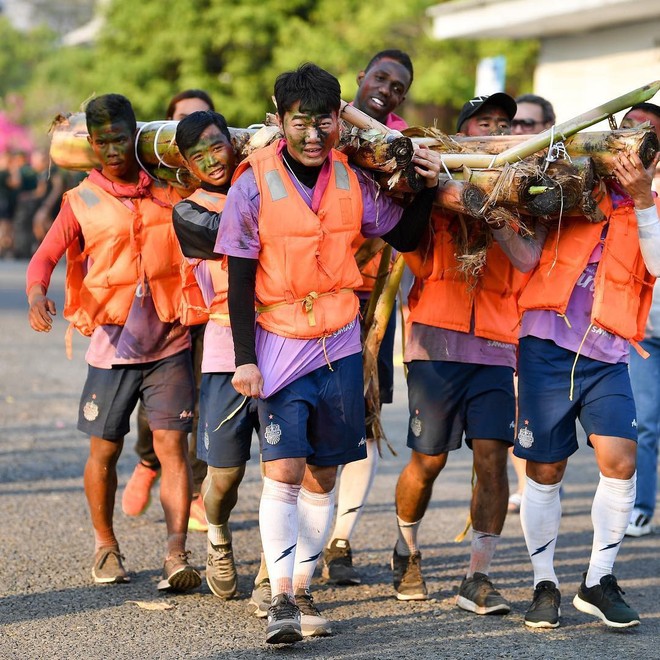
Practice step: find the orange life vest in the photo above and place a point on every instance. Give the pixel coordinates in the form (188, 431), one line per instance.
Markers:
(122, 248)
(623, 286)
(442, 297)
(306, 272)
(193, 307)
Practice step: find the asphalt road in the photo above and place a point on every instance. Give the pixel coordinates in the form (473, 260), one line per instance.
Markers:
(49, 607)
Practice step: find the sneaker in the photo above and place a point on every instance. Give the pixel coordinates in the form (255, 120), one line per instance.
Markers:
(338, 564)
(108, 567)
(311, 622)
(221, 570)
(407, 576)
(477, 594)
(515, 500)
(261, 599)
(197, 520)
(137, 494)
(179, 575)
(283, 621)
(639, 525)
(544, 612)
(604, 601)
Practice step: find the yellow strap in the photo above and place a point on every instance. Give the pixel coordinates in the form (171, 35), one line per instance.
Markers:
(307, 303)
(219, 317)
(68, 341)
(468, 522)
(231, 414)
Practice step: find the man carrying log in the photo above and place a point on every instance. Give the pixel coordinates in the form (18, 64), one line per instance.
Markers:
(288, 225)
(226, 420)
(586, 300)
(123, 289)
(382, 88)
(461, 356)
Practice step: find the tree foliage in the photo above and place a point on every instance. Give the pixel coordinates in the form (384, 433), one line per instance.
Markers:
(234, 49)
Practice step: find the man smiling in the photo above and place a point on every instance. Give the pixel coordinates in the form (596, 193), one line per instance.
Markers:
(288, 224)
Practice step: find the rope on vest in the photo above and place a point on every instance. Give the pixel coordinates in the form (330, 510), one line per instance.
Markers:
(577, 355)
(307, 303)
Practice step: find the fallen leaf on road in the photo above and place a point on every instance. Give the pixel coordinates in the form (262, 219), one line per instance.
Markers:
(152, 605)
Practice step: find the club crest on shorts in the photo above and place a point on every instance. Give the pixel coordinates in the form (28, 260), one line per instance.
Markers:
(272, 433)
(525, 436)
(416, 426)
(91, 410)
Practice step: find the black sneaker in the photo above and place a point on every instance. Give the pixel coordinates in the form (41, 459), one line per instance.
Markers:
(283, 621)
(407, 576)
(311, 622)
(338, 564)
(604, 601)
(477, 594)
(544, 611)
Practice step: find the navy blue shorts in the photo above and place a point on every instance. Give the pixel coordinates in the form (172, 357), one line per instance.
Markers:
(449, 399)
(223, 439)
(165, 387)
(385, 361)
(319, 417)
(602, 401)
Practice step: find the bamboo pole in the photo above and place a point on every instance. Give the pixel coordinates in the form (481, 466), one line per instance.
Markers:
(558, 133)
(601, 146)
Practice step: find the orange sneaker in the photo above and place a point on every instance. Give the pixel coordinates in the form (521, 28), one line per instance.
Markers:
(137, 494)
(197, 521)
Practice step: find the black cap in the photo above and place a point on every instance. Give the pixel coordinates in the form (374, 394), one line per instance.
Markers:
(499, 100)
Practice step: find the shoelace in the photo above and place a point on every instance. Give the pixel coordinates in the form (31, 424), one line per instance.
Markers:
(612, 590)
(284, 609)
(222, 562)
(306, 605)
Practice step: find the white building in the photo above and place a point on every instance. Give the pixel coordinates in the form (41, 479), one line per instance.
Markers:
(591, 50)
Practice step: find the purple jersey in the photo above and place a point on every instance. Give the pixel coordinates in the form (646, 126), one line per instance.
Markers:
(218, 354)
(283, 359)
(574, 330)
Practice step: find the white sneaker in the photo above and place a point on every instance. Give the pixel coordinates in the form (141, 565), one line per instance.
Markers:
(639, 525)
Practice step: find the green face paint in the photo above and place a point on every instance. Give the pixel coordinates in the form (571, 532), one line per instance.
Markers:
(309, 138)
(114, 146)
(212, 160)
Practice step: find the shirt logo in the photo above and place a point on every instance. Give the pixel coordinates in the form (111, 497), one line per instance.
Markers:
(363, 441)
(634, 423)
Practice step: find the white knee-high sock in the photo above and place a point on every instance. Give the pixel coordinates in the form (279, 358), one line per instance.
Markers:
(354, 486)
(278, 524)
(540, 515)
(610, 515)
(314, 519)
(406, 543)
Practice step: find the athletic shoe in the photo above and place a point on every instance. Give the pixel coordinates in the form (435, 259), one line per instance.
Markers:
(261, 599)
(639, 525)
(137, 494)
(407, 576)
(605, 602)
(221, 570)
(338, 564)
(108, 567)
(515, 499)
(311, 622)
(477, 594)
(179, 575)
(197, 520)
(544, 611)
(283, 621)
